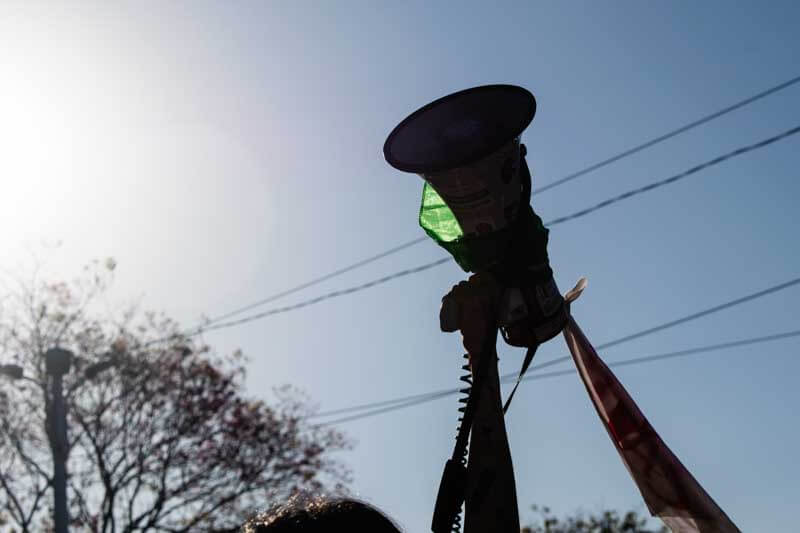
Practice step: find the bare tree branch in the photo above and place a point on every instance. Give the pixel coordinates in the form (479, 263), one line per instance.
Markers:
(165, 440)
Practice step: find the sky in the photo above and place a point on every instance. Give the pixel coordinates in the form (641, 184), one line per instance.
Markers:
(225, 151)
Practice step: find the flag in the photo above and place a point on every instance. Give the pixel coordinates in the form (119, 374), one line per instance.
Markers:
(668, 488)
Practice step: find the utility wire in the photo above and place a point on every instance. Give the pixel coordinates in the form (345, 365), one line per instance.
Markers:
(676, 177)
(558, 360)
(426, 266)
(551, 185)
(334, 294)
(320, 279)
(636, 360)
(664, 137)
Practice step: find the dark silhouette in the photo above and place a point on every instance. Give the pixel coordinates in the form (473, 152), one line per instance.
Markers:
(322, 517)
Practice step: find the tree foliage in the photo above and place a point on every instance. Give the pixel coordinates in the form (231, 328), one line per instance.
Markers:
(604, 522)
(161, 435)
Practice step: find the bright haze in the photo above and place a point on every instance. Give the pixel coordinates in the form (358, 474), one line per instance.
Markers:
(223, 152)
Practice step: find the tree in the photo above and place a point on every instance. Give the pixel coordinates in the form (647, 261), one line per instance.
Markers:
(605, 522)
(161, 434)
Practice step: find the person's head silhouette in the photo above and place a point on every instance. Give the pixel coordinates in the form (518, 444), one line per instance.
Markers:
(331, 516)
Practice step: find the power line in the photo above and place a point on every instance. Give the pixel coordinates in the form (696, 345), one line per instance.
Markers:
(327, 296)
(673, 133)
(318, 280)
(676, 177)
(426, 266)
(616, 342)
(624, 362)
(551, 185)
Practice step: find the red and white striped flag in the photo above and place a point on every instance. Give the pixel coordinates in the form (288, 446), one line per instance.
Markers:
(668, 489)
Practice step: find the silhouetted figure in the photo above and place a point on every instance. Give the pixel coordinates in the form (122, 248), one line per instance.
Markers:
(330, 516)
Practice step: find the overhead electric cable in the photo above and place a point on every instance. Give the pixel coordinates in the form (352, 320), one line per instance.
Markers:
(426, 266)
(621, 340)
(664, 137)
(636, 360)
(318, 280)
(326, 296)
(676, 177)
(548, 186)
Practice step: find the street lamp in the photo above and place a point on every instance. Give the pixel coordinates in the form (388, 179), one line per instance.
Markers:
(92, 371)
(58, 363)
(11, 371)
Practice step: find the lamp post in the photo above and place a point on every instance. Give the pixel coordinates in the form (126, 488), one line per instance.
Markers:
(58, 363)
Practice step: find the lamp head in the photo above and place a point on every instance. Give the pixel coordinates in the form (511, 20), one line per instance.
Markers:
(58, 361)
(12, 371)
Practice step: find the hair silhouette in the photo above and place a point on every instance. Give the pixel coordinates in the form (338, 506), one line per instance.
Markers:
(318, 516)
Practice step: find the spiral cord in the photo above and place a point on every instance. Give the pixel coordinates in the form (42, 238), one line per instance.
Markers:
(466, 378)
(463, 452)
(451, 497)
(457, 522)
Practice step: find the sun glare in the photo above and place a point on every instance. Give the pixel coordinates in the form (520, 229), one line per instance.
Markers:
(44, 120)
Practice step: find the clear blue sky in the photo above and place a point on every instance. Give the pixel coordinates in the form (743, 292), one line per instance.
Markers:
(225, 151)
